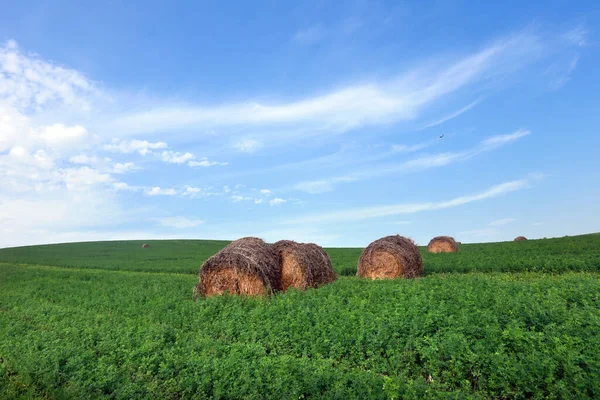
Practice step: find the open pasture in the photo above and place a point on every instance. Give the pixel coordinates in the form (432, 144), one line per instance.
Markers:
(110, 319)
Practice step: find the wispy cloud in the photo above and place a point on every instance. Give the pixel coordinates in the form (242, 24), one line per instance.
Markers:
(560, 72)
(503, 221)
(453, 115)
(501, 140)
(310, 35)
(248, 145)
(402, 148)
(577, 36)
(315, 187)
(356, 214)
(417, 164)
(354, 106)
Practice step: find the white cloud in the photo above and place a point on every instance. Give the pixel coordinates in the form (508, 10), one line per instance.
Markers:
(122, 186)
(55, 212)
(503, 221)
(362, 213)
(122, 168)
(277, 201)
(196, 192)
(248, 145)
(259, 201)
(26, 81)
(17, 129)
(142, 147)
(266, 192)
(81, 178)
(60, 136)
(206, 163)
(180, 222)
(158, 191)
(174, 157)
(83, 159)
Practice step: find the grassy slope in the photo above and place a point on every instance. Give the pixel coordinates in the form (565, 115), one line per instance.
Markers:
(575, 253)
(77, 332)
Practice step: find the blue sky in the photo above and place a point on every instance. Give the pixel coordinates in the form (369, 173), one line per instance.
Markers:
(327, 122)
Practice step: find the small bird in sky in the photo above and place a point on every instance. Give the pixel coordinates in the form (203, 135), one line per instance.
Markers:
(441, 136)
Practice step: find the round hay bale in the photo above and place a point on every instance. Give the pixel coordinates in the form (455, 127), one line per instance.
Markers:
(390, 257)
(519, 238)
(145, 246)
(247, 266)
(303, 265)
(442, 244)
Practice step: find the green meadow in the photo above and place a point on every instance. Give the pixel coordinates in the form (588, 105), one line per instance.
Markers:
(112, 320)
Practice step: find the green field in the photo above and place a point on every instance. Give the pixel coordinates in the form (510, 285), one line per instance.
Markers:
(110, 319)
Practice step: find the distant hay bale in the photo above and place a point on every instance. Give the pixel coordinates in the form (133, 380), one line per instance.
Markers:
(303, 265)
(247, 266)
(390, 257)
(145, 246)
(442, 244)
(519, 238)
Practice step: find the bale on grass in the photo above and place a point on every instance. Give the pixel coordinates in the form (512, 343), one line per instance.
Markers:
(390, 257)
(519, 238)
(247, 266)
(145, 246)
(442, 244)
(303, 265)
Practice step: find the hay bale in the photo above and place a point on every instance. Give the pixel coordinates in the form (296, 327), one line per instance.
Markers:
(519, 238)
(303, 265)
(145, 246)
(247, 266)
(442, 244)
(390, 257)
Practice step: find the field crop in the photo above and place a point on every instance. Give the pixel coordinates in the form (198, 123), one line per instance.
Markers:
(575, 253)
(110, 319)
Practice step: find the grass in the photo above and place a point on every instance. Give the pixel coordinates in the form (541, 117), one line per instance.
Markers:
(575, 253)
(110, 319)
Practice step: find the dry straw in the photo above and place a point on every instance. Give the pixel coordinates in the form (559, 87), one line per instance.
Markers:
(247, 266)
(145, 246)
(519, 238)
(442, 244)
(390, 257)
(303, 265)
